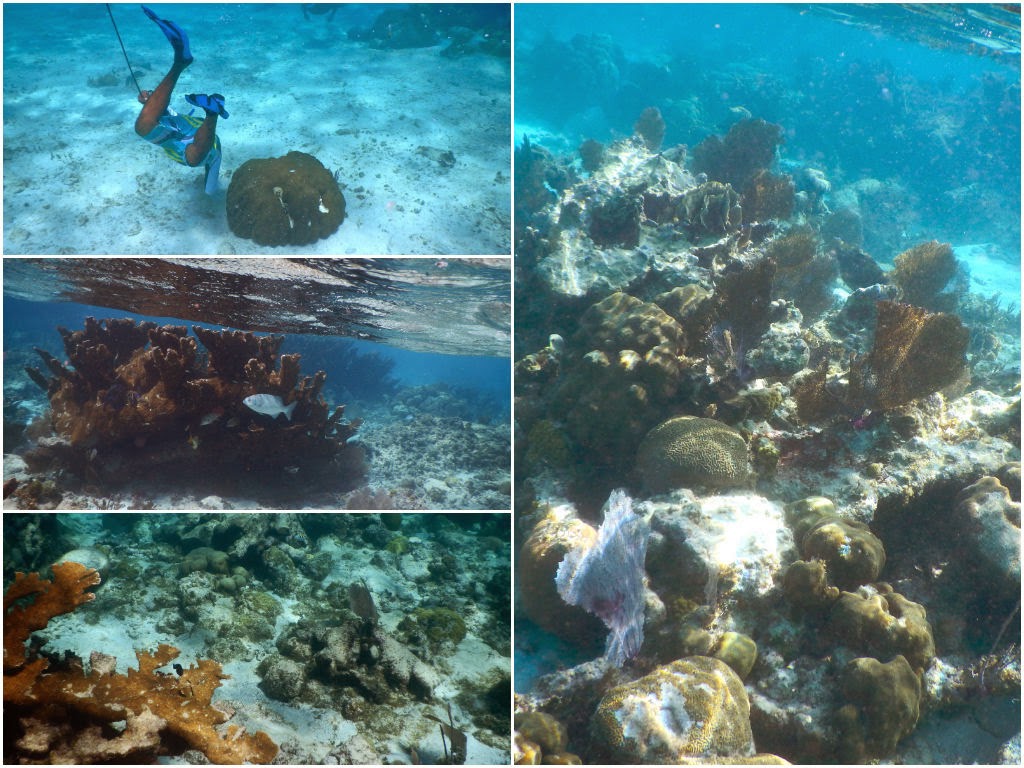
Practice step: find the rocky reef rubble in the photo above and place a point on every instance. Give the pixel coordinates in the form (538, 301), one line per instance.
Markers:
(343, 634)
(140, 400)
(824, 451)
(437, 447)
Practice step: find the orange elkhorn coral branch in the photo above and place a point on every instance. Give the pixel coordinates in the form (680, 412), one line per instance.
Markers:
(52, 598)
(153, 704)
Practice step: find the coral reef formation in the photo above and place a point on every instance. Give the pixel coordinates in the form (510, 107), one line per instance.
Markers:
(693, 707)
(852, 554)
(738, 651)
(636, 350)
(824, 451)
(135, 397)
(336, 645)
(802, 272)
(467, 30)
(650, 126)
(289, 200)
(540, 739)
(556, 535)
(769, 196)
(881, 622)
(716, 547)
(358, 655)
(991, 526)
(748, 148)
(688, 450)
(923, 271)
(63, 714)
(883, 707)
(914, 354)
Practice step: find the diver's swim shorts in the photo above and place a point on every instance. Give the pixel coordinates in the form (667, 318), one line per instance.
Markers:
(174, 132)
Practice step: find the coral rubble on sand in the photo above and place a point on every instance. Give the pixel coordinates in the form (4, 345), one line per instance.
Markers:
(824, 453)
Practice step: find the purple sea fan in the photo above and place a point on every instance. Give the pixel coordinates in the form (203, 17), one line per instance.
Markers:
(608, 578)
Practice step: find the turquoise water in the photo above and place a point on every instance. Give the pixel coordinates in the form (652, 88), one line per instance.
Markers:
(409, 112)
(28, 324)
(932, 104)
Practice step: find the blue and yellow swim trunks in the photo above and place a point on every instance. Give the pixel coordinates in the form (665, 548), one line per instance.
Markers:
(174, 132)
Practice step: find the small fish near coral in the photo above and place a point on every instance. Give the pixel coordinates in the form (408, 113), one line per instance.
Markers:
(269, 405)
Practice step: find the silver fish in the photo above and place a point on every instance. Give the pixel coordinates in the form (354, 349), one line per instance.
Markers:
(269, 405)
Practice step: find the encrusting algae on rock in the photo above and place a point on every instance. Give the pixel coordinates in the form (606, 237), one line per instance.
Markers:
(62, 715)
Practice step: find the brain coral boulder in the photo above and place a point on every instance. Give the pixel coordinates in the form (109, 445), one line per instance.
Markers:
(694, 707)
(688, 450)
(290, 200)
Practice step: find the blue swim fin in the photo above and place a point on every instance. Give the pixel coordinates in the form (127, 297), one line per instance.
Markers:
(213, 102)
(175, 34)
(210, 180)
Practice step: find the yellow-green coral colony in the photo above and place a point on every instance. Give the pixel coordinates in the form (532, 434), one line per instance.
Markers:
(543, 739)
(692, 707)
(884, 707)
(881, 622)
(738, 651)
(689, 450)
(440, 624)
(853, 554)
(398, 545)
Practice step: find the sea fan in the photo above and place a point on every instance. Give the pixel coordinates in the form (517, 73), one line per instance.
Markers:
(608, 578)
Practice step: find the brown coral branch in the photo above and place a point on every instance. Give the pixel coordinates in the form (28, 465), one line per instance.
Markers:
(52, 598)
(183, 703)
(148, 701)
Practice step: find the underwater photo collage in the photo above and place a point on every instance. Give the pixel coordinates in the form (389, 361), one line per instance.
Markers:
(512, 383)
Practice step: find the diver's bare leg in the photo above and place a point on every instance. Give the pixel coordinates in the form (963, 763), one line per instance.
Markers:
(196, 152)
(158, 100)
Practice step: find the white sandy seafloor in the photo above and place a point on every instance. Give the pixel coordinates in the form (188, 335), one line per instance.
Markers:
(78, 180)
(304, 731)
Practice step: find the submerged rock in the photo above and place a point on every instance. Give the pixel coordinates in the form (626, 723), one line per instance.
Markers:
(991, 525)
(704, 547)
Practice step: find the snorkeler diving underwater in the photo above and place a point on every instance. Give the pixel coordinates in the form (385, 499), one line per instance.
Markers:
(365, 129)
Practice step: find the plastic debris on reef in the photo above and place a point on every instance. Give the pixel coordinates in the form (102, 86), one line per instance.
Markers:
(607, 579)
(269, 405)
